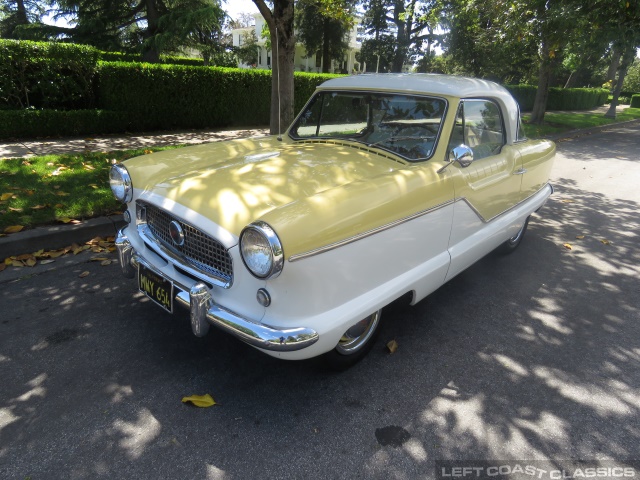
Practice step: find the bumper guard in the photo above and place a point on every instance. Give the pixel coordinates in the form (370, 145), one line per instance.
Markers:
(205, 312)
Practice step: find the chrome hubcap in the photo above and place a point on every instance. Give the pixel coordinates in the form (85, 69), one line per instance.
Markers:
(357, 336)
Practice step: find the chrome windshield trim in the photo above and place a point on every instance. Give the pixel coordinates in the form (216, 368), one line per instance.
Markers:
(151, 241)
(355, 238)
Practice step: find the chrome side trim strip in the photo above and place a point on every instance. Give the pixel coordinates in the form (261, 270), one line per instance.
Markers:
(382, 228)
(355, 238)
(463, 199)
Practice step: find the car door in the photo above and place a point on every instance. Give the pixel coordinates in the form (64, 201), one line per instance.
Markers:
(487, 187)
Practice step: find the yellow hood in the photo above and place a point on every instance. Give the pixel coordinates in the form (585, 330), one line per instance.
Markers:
(234, 183)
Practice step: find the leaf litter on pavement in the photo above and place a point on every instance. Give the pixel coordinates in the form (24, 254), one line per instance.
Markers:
(43, 257)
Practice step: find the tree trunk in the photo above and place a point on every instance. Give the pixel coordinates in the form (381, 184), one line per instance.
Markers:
(326, 55)
(629, 54)
(615, 63)
(150, 52)
(542, 94)
(21, 13)
(401, 37)
(283, 45)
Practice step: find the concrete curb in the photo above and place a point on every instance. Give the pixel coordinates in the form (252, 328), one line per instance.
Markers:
(58, 236)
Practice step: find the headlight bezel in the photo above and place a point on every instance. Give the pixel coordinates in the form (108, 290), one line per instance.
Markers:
(124, 181)
(275, 248)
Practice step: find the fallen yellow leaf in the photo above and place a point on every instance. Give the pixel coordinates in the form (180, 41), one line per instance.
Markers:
(16, 263)
(105, 263)
(6, 196)
(202, 401)
(579, 237)
(62, 194)
(83, 274)
(567, 246)
(13, 229)
(605, 242)
(392, 346)
(64, 219)
(30, 262)
(39, 207)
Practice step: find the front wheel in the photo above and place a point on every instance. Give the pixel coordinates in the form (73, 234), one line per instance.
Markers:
(355, 343)
(510, 245)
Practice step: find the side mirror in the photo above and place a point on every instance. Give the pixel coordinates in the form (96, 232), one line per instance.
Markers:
(461, 154)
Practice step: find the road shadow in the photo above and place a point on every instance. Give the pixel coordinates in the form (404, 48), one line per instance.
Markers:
(532, 355)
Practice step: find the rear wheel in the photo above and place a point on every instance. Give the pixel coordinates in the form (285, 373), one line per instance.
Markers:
(510, 245)
(355, 343)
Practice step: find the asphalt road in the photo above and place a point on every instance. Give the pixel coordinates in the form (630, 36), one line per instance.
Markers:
(531, 356)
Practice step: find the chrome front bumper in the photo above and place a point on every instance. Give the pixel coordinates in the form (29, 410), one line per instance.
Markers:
(205, 312)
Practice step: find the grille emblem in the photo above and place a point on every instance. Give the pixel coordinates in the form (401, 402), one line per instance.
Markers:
(176, 233)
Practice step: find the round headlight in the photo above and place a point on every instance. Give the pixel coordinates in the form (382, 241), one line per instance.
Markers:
(261, 250)
(120, 183)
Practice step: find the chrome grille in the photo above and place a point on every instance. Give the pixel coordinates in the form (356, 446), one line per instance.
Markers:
(199, 249)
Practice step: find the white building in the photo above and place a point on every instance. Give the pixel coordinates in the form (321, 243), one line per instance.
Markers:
(301, 62)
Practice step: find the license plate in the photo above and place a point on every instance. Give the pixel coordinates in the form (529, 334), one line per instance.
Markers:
(156, 287)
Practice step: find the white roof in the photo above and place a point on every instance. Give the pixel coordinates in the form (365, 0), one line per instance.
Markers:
(420, 82)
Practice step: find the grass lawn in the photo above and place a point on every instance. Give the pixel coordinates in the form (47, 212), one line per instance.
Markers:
(58, 188)
(562, 122)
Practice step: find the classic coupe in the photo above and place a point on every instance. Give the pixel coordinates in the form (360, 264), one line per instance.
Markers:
(383, 186)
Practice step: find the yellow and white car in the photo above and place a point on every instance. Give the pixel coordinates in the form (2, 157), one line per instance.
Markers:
(384, 185)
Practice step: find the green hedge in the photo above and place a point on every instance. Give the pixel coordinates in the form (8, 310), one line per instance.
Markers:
(50, 123)
(166, 97)
(560, 98)
(46, 75)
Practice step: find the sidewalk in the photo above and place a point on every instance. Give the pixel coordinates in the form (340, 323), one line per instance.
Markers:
(102, 143)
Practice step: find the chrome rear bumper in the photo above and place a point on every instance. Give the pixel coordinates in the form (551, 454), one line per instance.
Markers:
(205, 312)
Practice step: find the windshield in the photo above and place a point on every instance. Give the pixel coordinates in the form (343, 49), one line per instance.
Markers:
(407, 125)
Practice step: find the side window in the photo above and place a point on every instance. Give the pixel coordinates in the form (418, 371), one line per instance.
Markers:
(482, 127)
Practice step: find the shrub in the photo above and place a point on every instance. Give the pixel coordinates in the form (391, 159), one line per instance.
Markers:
(171, 96)
(635, 101)
(560, 98)
(525, 95)
(46, 75)
(50, 123)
